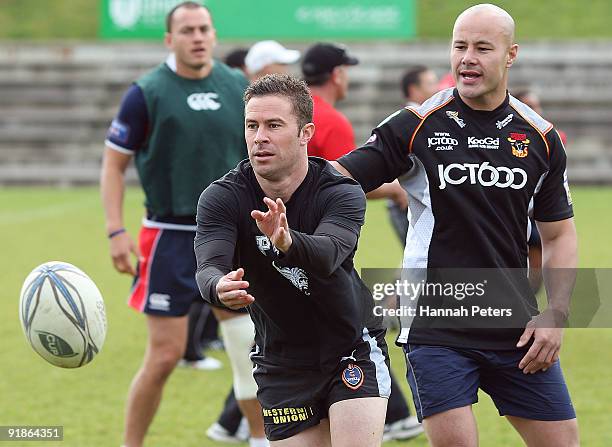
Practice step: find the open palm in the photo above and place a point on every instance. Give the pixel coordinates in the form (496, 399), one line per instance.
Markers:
(273, 223)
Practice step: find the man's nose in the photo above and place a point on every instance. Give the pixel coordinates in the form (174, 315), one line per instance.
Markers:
(469, 57)
(198, 35)
(261, 136)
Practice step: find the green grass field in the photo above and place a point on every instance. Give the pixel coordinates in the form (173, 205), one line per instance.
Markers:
(38, 225)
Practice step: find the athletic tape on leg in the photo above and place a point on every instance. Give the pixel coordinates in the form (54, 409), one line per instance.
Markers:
(238, 336)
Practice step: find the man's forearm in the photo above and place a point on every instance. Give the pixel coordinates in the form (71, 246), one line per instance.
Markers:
(207, 280)
(214, 260)
(560, 259)
(321, 254)
(112, 187)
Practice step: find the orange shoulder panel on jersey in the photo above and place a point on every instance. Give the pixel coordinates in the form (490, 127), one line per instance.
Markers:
(536, 121)
(436, 102)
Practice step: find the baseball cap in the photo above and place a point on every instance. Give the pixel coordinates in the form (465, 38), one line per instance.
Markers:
(322, 58)
(268, 52)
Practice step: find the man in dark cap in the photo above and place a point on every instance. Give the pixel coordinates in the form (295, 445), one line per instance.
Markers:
(325, 69)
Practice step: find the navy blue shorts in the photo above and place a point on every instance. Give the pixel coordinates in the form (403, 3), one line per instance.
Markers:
(165, 281)
(443, 378)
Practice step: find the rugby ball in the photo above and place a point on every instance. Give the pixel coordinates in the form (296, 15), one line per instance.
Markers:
(62, 314)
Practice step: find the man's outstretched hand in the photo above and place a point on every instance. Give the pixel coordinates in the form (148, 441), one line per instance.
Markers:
(273, 223)
(231, 290)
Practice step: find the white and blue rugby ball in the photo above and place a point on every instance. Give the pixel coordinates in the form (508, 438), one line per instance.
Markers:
(62, 314)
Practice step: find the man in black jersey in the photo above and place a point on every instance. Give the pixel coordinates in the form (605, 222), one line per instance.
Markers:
(475, 159)
(277, 235)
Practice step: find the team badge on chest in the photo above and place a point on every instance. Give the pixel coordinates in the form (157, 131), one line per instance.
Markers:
(352, 376)
(454, 115)
(520, 144)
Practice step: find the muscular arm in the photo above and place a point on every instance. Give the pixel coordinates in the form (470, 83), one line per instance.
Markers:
(554, 217)
(125, 135)
(559, 261)
(112, 187)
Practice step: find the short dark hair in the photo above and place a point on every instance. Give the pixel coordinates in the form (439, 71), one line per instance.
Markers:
(188, 5)
(235, 58)
(317, 80)
(411, 77)
(288, 86)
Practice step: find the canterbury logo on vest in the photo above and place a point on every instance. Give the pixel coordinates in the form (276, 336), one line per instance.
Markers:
(203, 101)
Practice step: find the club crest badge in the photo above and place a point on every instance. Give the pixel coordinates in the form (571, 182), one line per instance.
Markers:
(352, 376)
(520, 144)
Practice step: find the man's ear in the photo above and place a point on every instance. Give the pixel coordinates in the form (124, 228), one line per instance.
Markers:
(512, 53)
(306, 134)
(168, 40)
(335, 74)
(214, 34)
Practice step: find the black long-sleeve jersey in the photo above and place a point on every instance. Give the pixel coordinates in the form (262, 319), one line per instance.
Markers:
(310, 305)
(472, 177)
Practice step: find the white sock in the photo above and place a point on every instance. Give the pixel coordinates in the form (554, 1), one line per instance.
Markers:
(258, 442)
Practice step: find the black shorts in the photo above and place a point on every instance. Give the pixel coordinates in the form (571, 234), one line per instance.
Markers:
(296, 399)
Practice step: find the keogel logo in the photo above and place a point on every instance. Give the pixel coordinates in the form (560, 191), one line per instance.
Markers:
(483, 143)
(442, 141)
(203, 101)
(125, 13)
(454, 115)
(352, 376)
(55, 345)
(504, 122)
(484, 175)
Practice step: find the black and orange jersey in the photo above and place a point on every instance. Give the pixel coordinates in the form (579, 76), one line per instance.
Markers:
(472, 177)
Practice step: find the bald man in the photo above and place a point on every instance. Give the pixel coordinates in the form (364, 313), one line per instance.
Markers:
(475, 160)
